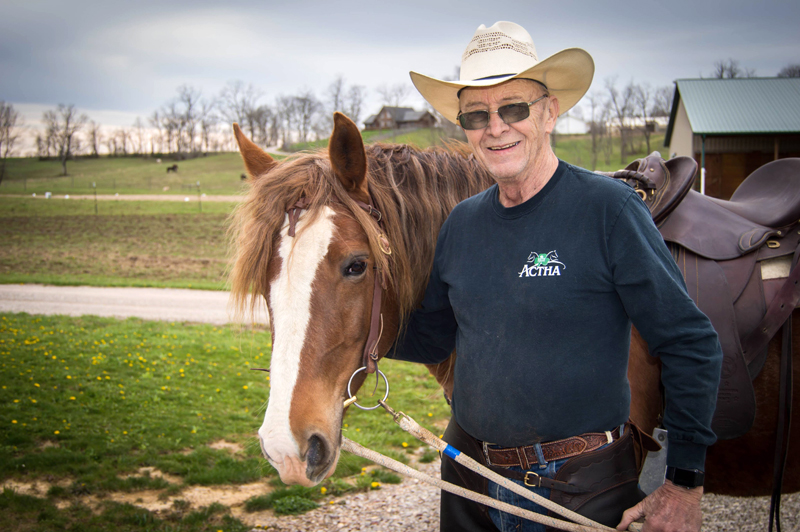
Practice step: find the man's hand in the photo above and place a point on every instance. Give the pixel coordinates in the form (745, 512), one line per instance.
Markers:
(670, 508)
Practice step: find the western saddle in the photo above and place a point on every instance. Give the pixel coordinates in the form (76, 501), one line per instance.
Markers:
(735, 257)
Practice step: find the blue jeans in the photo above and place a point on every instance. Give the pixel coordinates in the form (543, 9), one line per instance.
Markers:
(511, 523)
(507, 522)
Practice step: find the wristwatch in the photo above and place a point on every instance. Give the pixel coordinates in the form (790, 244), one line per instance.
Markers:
(687, 478)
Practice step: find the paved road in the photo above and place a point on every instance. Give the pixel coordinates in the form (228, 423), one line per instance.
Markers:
(164, 304)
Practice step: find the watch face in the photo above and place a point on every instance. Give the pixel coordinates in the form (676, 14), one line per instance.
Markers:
(690, 478)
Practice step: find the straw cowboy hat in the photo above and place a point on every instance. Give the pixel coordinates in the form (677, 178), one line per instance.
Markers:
(505, 51)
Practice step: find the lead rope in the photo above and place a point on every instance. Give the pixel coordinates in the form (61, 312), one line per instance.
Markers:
(408, 424)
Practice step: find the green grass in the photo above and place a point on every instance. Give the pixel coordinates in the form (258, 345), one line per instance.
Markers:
(88, 401)
(128, 243)
(218, 173)
(577, 150)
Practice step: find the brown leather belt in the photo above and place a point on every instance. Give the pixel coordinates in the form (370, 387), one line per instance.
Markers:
(525, 456)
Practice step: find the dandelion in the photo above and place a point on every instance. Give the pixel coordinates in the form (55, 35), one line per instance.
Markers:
(405, 444)
(124, 431)
(244, 387)
(375, 484)
(323, 490)
(13, 421)
(72, 398)
(430, 414)
(36, 384)
(56, 432)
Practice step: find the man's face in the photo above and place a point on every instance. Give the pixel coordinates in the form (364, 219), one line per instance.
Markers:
(510, 151)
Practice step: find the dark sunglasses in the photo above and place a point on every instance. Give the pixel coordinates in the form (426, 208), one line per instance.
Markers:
(513, 112)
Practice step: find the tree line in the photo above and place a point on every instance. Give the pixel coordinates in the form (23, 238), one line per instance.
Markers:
(192, 123)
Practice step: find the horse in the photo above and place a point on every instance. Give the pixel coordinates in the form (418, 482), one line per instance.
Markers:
(173, 168)
(319, 284)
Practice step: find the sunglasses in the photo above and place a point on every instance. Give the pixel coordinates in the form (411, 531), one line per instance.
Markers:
(513, 112)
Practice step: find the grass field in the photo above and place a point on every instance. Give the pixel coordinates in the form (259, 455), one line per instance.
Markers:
(128, 243)
(217, 173)
(97, 408)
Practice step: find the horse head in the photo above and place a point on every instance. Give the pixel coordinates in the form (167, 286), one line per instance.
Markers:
(316, 272)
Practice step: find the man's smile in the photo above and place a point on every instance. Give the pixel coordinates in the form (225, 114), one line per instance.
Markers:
(504, 147)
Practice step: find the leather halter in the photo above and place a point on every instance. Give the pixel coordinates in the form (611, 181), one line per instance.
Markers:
(370, 357)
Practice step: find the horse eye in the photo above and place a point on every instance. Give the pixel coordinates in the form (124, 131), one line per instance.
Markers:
(356, 268)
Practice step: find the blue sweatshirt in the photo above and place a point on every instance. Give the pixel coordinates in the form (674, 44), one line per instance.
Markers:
(538, 300)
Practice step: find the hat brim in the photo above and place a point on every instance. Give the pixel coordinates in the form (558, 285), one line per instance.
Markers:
(567, 75)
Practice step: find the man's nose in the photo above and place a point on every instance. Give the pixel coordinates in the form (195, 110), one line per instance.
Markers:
(496, 126)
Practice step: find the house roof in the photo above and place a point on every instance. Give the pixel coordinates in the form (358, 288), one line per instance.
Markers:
(738, 106)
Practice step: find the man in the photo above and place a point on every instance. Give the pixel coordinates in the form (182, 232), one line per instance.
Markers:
(535, 283)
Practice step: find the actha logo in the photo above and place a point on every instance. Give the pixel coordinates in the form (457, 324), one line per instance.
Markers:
(542, 265)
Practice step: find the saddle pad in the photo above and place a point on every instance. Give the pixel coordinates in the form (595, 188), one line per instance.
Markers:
(712, 231)
(709, 288)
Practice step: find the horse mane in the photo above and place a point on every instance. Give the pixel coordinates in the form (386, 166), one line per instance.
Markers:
(414, 190)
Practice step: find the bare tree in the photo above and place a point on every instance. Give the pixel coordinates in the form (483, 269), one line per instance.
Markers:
(236, 100)
(123, 139)
(622, 107)
(354, 102)
(790, 71)
(10, 124)
(138, 136)
(394, 95)
(208, 121)
(598, 108)
(306, 108)
(643, 99)
(94, 138)
(157, 123)
(662, 101)
(730, 69)
(66, 122)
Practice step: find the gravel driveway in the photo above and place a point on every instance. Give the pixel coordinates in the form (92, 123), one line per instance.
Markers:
(411, 506)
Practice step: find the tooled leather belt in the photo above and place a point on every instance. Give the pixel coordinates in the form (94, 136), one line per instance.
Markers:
(525, 456)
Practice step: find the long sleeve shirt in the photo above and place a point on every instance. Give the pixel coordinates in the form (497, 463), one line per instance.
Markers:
(538, 301)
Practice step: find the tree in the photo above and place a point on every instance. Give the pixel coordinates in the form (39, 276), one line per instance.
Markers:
(354, 102)
(622, 107)
(643, 96)
(790, 71)
(236, 101)
(394, 95)
(730, 69)
(662, 101)
(10, 123)
(599, 111)
(138, 136)
(95, 138)
(65, 123)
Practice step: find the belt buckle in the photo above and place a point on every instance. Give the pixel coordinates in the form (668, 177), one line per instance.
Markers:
(486, 452)
(530, 484)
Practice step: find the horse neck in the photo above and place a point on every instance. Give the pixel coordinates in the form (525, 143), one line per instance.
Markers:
(421, 188)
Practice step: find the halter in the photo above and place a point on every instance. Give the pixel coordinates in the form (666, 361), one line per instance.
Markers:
(369, 359)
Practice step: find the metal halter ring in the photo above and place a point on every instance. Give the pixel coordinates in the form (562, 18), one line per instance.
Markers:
(350, 394)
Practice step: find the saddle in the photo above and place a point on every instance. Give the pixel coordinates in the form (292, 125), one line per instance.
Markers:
(735, 257)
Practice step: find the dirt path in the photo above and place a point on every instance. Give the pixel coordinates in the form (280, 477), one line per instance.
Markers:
(163, 304)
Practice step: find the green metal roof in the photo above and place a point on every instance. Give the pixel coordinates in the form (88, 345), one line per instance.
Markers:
(738, 106)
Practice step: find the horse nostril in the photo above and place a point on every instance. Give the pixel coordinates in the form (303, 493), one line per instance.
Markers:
(317, 451)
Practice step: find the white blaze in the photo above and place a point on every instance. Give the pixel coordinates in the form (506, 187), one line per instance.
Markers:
(290, 299)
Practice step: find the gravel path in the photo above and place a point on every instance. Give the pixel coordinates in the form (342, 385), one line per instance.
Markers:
(414, 506)
(164, 304)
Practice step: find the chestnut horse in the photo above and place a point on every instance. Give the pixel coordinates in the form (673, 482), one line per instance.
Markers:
(319, 284)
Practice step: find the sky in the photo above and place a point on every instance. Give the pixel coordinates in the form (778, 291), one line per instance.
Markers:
(118, 60)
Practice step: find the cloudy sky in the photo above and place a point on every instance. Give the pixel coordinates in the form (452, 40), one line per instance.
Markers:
(117, 60)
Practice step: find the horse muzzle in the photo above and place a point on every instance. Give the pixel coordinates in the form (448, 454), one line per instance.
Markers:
(307, 465)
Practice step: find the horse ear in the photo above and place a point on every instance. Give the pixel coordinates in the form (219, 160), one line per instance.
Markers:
(347, 155)
(256, 160)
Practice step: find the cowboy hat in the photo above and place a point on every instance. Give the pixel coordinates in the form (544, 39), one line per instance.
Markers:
(503, 52)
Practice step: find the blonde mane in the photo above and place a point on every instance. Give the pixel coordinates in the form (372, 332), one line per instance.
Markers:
(413, 189)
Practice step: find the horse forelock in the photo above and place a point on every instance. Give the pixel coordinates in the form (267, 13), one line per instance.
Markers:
(413, 189)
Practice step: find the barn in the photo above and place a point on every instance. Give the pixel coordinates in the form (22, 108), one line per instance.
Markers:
(733, 126)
